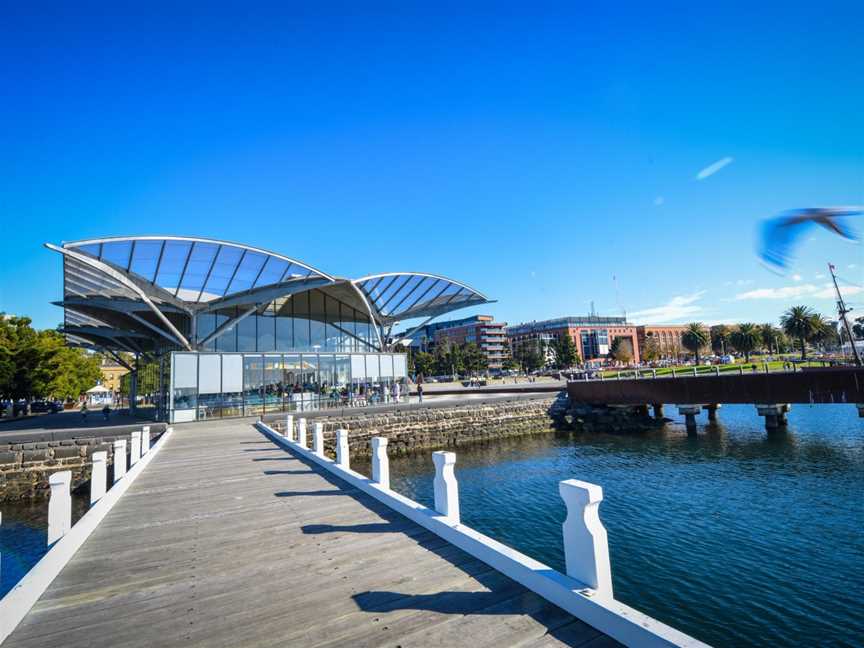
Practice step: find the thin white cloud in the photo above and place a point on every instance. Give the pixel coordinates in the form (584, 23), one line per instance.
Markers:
(852, 266)
(824, 291)
(677, 308)
(713, 168)
(659, 200)
(744, 282)
(796, 277)
(820, 276)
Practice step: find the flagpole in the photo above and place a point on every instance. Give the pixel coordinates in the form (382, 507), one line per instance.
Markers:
(841, 308)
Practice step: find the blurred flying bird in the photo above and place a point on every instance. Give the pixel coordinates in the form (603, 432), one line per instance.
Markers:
(781, 234)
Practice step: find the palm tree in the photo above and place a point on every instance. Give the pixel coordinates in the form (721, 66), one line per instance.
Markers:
(746, 338)
(824, 331)
(798, 322)
(770, 337)
(720, 338)
(695, 338)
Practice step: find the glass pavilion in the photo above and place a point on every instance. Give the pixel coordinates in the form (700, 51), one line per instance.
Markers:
(238, 330)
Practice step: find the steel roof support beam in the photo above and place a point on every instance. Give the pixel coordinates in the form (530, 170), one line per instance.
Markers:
(118, 276)
(227, 326)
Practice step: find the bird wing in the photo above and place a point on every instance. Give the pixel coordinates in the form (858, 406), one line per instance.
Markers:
(779, 237)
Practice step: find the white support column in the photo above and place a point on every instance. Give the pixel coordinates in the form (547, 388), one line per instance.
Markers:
(145, 440)
(586, 546)
(135, 451)
(289, 427)
(59, 506)
(445, 485)
(380, 462)
(98, 476)
(301, 432)
(318, 438)
(119, 459)
(343, 458)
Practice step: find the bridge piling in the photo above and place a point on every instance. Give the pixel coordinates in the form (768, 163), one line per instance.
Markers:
(860, 407)
(775, 415)
(658, 410)
(712, 411)
(689, 413)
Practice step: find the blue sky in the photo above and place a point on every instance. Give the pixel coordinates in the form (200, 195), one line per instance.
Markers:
(533, 151)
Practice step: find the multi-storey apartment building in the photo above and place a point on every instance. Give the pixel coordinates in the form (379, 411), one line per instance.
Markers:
(592, 334)
(482, 330)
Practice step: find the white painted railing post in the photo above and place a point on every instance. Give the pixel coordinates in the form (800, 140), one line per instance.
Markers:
(59, 506)
(301, 432)
(98, 476)
(342, 456)
(289, 427)
(135, 452)
(586, 546)
(145, 440)
(318, 439)
(380, 462)
(445, 485)
(119, 459)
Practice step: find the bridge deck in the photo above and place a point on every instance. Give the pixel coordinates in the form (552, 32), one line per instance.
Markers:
(226, 540)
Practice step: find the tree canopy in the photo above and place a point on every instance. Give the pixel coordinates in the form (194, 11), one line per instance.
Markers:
(38, 364)
(695, 338)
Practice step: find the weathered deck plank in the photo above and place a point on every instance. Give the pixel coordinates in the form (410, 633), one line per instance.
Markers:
(226, 540)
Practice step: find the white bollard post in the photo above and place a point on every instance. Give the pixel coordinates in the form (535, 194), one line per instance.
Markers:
(586, 546)
(301, 432)
(119, 459)
(145, 440)
(98, 476)
(380, 462)
(289, 427)
(135, 453)
(318, 439)
(343, 458)
(445, 485)
(59, 506)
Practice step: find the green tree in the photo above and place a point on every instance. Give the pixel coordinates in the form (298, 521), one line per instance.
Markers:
(771, 337)
(530, 356)
(621, 350)
(651, 349)
(824, 332)
(746, 338)
(475, 360)
(565, 351)
(695, 338)
(424, 363)
(799, 323)
(721, 336)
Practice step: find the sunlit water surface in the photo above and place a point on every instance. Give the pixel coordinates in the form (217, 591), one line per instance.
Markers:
(737, 537)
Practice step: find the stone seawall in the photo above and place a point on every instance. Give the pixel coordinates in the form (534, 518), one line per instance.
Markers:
(25, 467)
(435, 427)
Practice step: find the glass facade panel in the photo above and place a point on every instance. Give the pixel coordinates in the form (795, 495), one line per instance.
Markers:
(267, 330)
(212, 385)
(247, 334)
(316, 320)
(284, 326)
(332, 337)
(227, 340)
(273, 383)
(302, 340)
(253, 385)
(291, 379)
(185, 381)
(209, 386)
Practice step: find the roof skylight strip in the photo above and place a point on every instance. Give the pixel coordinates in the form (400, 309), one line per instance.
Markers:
(185, 265)
(425, 292)
(395, 292)
(410, 292)
(207, 277)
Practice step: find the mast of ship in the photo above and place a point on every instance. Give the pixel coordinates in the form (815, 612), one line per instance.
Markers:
(842, 310)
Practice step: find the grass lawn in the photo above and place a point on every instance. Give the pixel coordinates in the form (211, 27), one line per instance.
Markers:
(776, 365)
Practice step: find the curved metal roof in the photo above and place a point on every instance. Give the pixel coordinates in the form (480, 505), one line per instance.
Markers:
(143, 293)
(196, 270)
(407, 295)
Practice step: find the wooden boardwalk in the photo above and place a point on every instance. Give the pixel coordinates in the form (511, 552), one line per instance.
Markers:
(226, 540)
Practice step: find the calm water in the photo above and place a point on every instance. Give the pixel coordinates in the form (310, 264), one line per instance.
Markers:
(24, 536)
(737, 537)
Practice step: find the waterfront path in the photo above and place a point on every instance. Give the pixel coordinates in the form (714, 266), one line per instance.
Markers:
(227, 540)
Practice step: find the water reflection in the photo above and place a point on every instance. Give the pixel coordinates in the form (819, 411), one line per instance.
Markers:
(737, 536)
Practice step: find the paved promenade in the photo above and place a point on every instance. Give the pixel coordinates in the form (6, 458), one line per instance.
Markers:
(226, 540)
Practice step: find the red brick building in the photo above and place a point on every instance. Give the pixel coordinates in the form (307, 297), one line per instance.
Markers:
(593, 335)
(667, 336)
